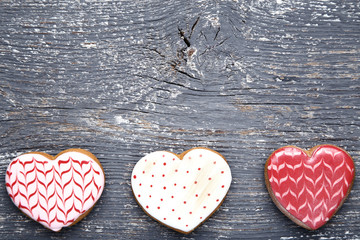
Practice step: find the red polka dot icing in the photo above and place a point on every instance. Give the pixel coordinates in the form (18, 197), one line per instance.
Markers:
(55, 192)
(184, 196)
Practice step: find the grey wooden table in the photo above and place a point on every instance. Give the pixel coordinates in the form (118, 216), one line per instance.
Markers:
(125, 78)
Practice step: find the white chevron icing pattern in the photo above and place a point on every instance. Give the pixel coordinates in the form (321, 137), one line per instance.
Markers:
(310, 188)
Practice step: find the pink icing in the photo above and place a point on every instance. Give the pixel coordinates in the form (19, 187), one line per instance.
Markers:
(54, 192)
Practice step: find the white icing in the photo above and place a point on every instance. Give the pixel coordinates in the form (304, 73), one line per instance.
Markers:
(198, 165)
(67, 191)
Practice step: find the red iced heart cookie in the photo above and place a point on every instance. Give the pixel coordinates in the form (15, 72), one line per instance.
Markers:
(309, 186)
(181, 191)
(55, 191)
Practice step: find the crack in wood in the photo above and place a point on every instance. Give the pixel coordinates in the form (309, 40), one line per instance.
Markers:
(183, 37)
(193, 26)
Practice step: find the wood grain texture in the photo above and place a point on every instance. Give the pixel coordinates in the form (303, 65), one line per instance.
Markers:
(125, 78)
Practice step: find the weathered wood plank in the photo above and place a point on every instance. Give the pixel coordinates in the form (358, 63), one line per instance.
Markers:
(124, 78)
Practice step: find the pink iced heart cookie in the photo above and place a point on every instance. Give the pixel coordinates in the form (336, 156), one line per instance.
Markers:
(181, 191)
(309, 186)
(55, 191)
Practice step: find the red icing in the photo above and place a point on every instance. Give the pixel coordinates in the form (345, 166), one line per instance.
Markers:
(310, 188)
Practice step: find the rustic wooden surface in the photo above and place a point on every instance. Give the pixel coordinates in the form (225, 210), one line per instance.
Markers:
(124, 78)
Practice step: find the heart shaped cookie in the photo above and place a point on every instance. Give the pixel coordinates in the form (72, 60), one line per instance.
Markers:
(181, 191)
(55, 191)
(309, 186)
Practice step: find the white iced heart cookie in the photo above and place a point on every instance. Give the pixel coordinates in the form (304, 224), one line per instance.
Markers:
(181, 191)
(55, 191)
